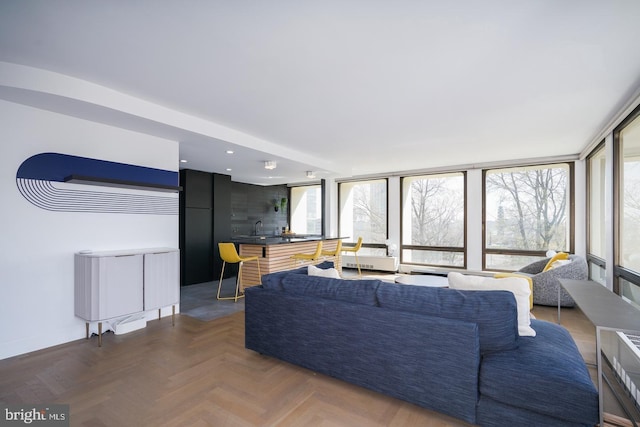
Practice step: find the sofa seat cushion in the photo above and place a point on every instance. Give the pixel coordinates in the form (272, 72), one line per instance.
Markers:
(353, 291)
(545, 374)
(494, 312)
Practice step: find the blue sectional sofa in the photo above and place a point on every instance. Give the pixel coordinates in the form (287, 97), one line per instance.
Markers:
(455, 352)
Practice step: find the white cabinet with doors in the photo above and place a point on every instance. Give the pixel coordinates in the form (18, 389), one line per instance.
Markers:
(112, 284)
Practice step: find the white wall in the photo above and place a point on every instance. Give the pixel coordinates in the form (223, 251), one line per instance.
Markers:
(580, 199)
(474, 219)
(37, 246)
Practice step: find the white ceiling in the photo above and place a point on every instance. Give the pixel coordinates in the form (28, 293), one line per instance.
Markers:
(343, 88)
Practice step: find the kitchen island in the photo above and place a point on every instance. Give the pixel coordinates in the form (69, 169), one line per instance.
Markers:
(274, 253)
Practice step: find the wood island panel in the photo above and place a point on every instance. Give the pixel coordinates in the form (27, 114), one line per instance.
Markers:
(277, 257)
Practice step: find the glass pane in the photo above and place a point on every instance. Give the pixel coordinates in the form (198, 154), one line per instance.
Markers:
(442, 258)
(306, 210)
(597, 273)
(509, 262)
(629, 238)
(372, 252)
(363, 211)
(630, 292)
(526, 208)
(596, 165)
(433, 210)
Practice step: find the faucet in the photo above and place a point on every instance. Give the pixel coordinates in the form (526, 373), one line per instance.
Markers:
(255, 227)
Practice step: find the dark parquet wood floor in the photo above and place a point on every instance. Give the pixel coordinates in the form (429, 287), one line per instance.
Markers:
(199, 374)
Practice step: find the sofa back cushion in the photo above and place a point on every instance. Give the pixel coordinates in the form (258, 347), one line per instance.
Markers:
(353, 291)
(274, 280)
(519, 286)
(494, 312)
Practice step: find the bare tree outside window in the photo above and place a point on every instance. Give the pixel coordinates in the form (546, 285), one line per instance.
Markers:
(370, 212)
(437, 209)
(526, 209)
(434, 218)
(630, 238)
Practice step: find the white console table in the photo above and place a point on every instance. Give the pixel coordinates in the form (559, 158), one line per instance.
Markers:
(112, 284)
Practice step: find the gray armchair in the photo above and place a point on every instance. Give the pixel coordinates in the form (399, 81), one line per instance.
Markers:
(545, 283)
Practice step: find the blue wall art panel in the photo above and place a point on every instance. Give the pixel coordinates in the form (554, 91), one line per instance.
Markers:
(49, 181)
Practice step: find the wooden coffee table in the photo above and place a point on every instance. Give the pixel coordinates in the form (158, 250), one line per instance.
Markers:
(423, 280)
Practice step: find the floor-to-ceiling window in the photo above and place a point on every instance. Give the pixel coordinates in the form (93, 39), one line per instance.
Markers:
(305, 206)
(433, 220)
(527, 211)
(363, 213)
(627, 149)
(596, 241)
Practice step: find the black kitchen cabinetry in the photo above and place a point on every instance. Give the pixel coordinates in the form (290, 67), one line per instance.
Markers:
(205, 220)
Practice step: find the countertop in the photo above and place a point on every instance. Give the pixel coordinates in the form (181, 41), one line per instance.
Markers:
(278, 240)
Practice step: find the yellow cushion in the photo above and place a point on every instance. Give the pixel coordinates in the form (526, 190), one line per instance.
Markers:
(504, 275)
(556, 257)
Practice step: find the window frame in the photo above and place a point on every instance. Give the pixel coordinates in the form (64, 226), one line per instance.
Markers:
(523, 252)
(620, 272)
(365, 244)
(456, 249)
(322, 206)
(591, 258)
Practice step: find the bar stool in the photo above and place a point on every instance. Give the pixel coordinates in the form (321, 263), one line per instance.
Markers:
(229, 255)
(308, 257)
(354, 250)
(333, 254)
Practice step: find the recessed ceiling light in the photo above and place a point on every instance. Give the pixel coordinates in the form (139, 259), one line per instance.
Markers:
(229, 151)
(228, 169)
(270, 164)
(183, 161)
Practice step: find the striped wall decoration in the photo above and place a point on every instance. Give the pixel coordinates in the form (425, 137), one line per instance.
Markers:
(46, 181)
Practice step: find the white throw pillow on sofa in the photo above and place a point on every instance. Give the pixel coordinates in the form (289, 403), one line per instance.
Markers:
(517, 285)
(331, 273)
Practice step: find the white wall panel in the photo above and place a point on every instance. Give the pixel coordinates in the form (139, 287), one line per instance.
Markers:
(37, 262)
